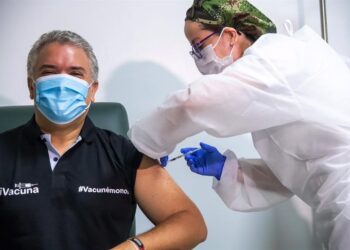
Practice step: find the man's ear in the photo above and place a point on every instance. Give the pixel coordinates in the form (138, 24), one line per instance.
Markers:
(31, 88)
(94, 88)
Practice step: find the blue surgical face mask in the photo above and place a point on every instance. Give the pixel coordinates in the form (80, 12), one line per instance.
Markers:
(61, 97)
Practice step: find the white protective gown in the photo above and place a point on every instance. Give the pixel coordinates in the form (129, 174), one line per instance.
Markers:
(293, 95)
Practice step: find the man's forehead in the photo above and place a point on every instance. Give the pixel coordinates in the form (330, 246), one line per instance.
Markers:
(61, 49)
(62, 53)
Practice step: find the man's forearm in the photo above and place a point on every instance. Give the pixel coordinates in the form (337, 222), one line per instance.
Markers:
(183, 230)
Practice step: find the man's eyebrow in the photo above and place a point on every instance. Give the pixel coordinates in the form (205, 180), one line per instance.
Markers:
(50, 66)
(47, 66)
(77, 68)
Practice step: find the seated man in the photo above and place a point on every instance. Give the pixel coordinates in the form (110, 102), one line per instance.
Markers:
(66, 184)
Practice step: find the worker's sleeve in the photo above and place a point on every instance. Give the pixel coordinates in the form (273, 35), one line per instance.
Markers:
(248, 96)
(346, 60)
(249, 185)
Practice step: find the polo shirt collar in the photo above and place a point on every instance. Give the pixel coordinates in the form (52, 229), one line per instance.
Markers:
(88, 130)
(32, 130)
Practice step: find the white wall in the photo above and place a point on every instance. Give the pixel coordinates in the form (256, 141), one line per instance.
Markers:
(143, 55)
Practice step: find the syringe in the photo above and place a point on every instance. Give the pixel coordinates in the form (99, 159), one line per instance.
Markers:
(182, 155)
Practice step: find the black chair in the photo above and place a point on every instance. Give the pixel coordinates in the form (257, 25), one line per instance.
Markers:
(106, 115)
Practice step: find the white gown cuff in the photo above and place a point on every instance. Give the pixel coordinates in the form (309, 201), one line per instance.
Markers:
(224, 187)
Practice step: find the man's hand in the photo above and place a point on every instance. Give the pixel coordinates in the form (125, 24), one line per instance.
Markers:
(205, 161)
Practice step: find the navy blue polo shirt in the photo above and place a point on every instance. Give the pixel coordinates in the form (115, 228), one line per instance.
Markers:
(86, 202)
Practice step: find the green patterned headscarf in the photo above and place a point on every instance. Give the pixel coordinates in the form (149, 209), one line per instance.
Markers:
(239, 14)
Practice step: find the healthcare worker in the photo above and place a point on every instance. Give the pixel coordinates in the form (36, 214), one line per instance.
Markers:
(291, 92)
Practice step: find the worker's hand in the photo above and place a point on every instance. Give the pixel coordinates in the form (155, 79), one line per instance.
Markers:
(164, 161)
(206, 161)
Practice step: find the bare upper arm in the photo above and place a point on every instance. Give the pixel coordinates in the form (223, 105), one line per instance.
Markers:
(157, 194)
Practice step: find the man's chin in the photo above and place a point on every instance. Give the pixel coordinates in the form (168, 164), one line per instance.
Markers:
(44, 122)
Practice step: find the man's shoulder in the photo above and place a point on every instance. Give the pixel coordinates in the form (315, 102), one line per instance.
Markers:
(92, 132)
(116, 141)
(108, 134)
(11, 134)
(121, 147)
(9, 141)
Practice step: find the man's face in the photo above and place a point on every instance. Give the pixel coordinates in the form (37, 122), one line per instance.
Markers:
(56, 58)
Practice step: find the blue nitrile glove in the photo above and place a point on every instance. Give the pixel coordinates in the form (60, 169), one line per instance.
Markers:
(164, 161)
(206, 161)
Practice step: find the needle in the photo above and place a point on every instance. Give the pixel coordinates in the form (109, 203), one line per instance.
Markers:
(182, 155)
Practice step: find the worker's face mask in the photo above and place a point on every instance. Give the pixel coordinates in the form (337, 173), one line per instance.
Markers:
(210, 63)
(61, 97)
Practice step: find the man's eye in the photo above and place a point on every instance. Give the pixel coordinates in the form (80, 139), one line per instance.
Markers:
(77, 74)
(44, 73)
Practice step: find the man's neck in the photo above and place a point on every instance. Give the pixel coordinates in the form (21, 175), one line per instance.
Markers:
(62, 136)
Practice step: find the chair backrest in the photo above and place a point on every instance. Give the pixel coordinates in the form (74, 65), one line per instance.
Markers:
(105, 115)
